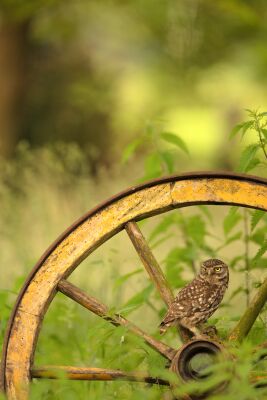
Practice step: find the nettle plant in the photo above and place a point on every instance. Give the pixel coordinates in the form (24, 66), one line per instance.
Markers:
(180, 239)
(243, 232)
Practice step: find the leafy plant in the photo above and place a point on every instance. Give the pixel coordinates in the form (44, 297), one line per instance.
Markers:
(180, 240)
(243, 229)
(161, 149)
(257, 123)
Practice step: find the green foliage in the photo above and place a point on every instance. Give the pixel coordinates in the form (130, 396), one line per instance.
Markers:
(20, 10)
(176, 140)
(180, 239)
(257, 124)
(130, 150)
(256, 216)
(137, 300)
(231, 220)
(162, 151)
(194, 233)
(260, 253)
(247, 160)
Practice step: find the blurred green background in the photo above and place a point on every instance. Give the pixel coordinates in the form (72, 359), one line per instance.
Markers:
(96, 72)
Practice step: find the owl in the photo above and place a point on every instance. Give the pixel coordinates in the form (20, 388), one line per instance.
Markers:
(199, 299)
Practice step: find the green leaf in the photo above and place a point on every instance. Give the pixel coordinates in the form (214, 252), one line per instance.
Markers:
(247, 155)
(257, 215)
(238, 290)
(258, 236)
(153, 168)
(235, 130)
(234, 262)
(168, 159)
(138, 299)
(233, 238)
(162, 227)
(176, 140)
(250, 112)
(246, 126)
(260, 252)
(230, 239)
(161, 240)
(253, 164)
(196, 229)
(181, 254)
(122, 279)
(231, 220)
(260, 263)
(264, 131)
(130, 150)
(206, 212)
(173, 266)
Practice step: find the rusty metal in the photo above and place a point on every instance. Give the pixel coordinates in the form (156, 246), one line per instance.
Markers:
(92, 374)
(186, 370)
(93, 229)
(181, 363)
(98, 308)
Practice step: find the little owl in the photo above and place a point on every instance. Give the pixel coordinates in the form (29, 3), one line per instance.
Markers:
(199, 299)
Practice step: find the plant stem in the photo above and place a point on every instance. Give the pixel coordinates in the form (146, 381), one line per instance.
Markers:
(246, 255)
(258, 129)
(247, 320)
(262, 144)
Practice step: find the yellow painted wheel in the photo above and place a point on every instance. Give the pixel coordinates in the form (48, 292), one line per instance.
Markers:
(81, 239)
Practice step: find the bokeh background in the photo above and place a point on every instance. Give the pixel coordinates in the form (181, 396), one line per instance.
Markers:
(95, 72)
(79, 81)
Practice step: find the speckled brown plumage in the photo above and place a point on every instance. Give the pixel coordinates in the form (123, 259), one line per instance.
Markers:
(199, 299)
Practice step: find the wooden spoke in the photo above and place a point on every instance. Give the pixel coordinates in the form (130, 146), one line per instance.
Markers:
(92, 374)
(149, 261)
(246, 322)
(100, 309)
(151, 265)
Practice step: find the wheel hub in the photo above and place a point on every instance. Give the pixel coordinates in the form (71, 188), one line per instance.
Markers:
(195, 358)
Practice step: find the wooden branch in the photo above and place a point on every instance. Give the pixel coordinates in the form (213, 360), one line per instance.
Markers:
(151, 265)
(91, 374)
(100, 309)
(247, 320)
(102, 374)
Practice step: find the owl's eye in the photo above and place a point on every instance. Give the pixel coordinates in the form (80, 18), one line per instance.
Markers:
(217, 269)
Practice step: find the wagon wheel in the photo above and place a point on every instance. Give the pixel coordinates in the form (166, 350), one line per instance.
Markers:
(87, 234)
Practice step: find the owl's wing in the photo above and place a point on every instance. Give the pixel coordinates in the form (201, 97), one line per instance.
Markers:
(179, 308)
(197, 297)
(191, 299)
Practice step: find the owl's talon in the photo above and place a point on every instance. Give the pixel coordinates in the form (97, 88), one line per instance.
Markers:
(210, 331)
(201, 336)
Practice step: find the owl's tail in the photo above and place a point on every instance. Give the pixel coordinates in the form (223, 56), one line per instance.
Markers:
(163, 328)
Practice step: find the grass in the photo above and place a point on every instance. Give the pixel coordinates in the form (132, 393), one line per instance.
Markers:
(42, 193)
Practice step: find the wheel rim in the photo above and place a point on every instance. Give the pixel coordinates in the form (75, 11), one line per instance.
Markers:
(89, 233)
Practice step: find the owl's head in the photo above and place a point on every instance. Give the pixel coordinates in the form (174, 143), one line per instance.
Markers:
(214, 271)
